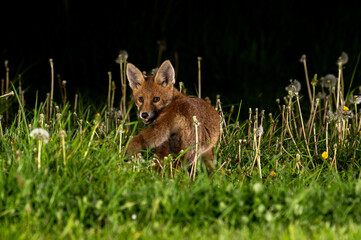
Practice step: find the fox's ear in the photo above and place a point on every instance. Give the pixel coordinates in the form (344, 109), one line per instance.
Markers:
(135, 76)
(165, 74)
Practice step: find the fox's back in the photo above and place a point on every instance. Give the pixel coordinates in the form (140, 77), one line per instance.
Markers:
(179, 113)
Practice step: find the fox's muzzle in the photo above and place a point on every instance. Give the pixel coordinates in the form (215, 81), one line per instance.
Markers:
(147, 117)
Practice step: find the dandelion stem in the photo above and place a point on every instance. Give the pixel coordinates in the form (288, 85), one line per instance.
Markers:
(122, 64)
(339, 99)
(303, 60)
(1, 128)
(113, 95)
(76, 102)
(315, 138)
(249, 124)
(239, 153)
(334, 161)
(327, 138)
(272, 127)
(313, 119)
(195, 161)
(289, 130)
(199, 76)
(303, 129)
(109, 93)
(7, 94)
(120, 137)
(259, 156)
(7, 90)
(62, 140)
(356, 123)
(39, 154)
(51, 89)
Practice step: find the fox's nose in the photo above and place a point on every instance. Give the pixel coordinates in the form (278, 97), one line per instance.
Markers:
(144, 115)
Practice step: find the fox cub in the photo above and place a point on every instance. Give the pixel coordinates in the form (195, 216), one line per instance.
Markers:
(171, 113)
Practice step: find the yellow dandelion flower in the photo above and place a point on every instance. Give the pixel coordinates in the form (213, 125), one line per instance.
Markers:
(137, 235)
(273, 174)
(345, 108)
(98, 114)
(324, 155)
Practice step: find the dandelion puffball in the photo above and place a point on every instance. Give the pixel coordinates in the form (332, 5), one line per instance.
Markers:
(40, 134)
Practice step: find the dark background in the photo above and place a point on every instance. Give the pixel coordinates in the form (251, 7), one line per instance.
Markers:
(250, 49)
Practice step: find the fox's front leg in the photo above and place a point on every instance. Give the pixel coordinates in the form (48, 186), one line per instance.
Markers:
(151, 137)
(135, 145)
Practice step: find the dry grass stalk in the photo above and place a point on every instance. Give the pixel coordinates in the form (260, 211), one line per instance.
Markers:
(51, 89)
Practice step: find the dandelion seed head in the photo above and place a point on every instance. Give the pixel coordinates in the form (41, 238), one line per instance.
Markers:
(115, 113)
(330, 116)
(153, 72)
(347, 114)
(355, 99)
(343, 59)
(303, 58)
(259, 131)
(40, 134)
(122, 56)
(293, 87)
(328, 81)
(321, 95)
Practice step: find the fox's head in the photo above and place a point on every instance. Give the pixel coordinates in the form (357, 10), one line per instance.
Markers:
(151, 93)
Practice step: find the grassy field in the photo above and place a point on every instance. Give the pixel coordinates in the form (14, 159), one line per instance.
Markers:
(294, 174)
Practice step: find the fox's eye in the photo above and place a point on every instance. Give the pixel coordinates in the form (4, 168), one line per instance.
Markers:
(140, 99)
(156, 99)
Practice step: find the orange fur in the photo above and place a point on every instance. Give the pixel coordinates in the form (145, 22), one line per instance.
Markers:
(171, 114)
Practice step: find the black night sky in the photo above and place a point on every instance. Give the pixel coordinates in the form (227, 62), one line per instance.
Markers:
(250, 49)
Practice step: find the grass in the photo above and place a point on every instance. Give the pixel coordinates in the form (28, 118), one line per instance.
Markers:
(290, 175)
